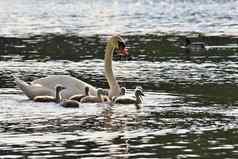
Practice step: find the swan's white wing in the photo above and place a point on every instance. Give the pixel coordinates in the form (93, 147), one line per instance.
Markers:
(73, 85)
(33, 90)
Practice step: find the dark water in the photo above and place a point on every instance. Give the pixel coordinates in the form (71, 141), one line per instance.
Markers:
(190, 107)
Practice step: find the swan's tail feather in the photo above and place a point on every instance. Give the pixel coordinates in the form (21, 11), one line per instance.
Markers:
(25, 87)
(21, 84)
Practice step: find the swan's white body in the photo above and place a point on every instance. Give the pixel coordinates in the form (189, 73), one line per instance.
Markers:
(46, 86)
(73, 86)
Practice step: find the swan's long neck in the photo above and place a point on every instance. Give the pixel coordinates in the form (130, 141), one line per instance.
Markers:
(113, 84)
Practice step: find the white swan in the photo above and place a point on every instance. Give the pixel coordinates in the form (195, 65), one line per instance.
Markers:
(46, 86)
(99, 98)
(46, 98)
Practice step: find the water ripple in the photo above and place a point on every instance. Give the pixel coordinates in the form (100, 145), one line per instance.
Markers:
(105, 17)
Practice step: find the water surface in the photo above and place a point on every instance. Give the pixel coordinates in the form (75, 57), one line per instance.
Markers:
(190, 107)
(90, 17)
(189, 111)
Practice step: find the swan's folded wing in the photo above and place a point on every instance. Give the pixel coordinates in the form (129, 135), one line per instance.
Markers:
(73, 86)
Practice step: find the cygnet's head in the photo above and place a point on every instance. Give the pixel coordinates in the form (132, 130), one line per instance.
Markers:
(138, 92)
(123, 91)
(59, 87)
(100, 92)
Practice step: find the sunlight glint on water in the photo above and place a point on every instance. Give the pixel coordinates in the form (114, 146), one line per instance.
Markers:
(127, 16)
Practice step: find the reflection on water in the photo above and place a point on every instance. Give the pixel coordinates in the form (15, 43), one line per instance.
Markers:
(169, 125)
(190, 107)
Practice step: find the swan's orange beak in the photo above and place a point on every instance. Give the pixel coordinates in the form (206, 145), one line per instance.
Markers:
(123, 52)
